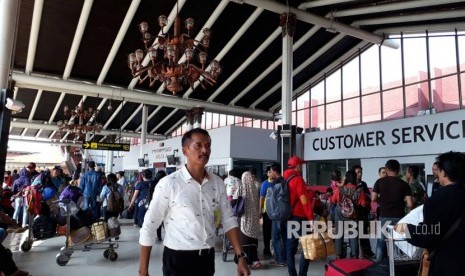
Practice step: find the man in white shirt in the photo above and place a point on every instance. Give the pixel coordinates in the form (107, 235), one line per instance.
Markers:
(186, 201)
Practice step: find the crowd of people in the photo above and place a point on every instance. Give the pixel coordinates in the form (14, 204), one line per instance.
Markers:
(92, 192)
(186, 202)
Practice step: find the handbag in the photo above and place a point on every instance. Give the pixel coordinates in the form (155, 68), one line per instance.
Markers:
(238, 205)
(317, 246)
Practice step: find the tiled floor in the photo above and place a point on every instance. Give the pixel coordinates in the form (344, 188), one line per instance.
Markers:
(41, 259)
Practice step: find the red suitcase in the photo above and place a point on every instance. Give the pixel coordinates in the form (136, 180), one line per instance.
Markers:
(344, 267)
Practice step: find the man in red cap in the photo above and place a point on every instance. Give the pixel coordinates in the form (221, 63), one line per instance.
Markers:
(302, 211)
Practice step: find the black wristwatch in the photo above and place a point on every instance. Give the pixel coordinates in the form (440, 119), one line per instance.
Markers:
(238, 256)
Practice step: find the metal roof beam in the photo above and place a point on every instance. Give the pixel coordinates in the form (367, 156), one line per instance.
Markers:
(132, 116)
(323, 22)
(164, 120)
(150, 117)
(78, 37)
(275, 64)
(302, 66)
(404, 5)
(30, 125)
(33, 37)
(81, 88)
(175, 126)
(118, 40)
(34, 105)
(230, 44)
(113, 115)
(320, 3)
(411, 18)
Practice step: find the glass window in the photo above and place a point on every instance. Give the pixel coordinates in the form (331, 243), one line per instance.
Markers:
(302, 118)
(317, 94)
(256, 123)
(352, 111)
(294, 118)
(208, 120)
(371, 108)
(302, 100)
(462, 81)
(391, 66)
(416, 98)
(446, 93)
(370, 70)
(333, 87)
(215, 120)
(222, 120)
(318, 117)
(443, 60)
(462, 53)
(230, 120)
(393, 106)
(415, 60)
(247, 122)
(333, 115)
(351, 79)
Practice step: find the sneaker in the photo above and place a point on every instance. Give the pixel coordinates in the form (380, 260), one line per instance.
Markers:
(256, 265)
(274, 263)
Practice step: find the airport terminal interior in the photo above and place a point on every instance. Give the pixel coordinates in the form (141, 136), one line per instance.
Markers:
(338, 83)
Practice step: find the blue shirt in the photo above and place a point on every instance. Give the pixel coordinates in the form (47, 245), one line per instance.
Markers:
(90, 184)
(143, 188)
(265, 185)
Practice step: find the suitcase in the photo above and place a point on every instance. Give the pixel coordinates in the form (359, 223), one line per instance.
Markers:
(344, 267)
(80, 235)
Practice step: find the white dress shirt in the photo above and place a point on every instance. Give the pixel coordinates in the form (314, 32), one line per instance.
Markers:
(187, 210)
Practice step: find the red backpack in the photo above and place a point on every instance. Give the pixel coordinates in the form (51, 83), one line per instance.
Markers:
(34, 200)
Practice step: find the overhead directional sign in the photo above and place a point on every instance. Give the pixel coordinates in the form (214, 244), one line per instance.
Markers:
(105, 146)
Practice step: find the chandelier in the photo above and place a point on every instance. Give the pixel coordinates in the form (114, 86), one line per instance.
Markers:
(81, 120)
(176, 60)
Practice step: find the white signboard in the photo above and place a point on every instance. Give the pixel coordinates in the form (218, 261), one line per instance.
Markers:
(429, 134)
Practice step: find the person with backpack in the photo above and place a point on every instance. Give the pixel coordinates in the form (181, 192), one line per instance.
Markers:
(141, 193)
(349, 200)
(112, 196)
(302, 211)
(278, 225)
(19, 185)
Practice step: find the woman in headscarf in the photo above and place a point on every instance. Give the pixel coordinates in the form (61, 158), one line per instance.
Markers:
(250, 224)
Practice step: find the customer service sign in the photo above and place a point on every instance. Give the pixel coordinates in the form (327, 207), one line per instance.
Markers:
(428, 134)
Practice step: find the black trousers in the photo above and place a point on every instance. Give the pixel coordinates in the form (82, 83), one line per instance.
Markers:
(250, 246)
(7, 265)
(188, 263)
(266, 233)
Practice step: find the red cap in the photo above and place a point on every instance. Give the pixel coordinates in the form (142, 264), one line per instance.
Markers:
(294, 161)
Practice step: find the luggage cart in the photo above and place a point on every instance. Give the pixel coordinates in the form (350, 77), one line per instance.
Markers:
(397, 258)
(67, 251)
(64, 256)
(26, 246)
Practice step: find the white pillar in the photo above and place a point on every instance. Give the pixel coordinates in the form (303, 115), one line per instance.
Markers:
(109, 162)
(8, 17)
(143, 134)
(288, 26)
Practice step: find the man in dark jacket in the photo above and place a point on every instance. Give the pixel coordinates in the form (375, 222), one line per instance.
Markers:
(440, 212)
